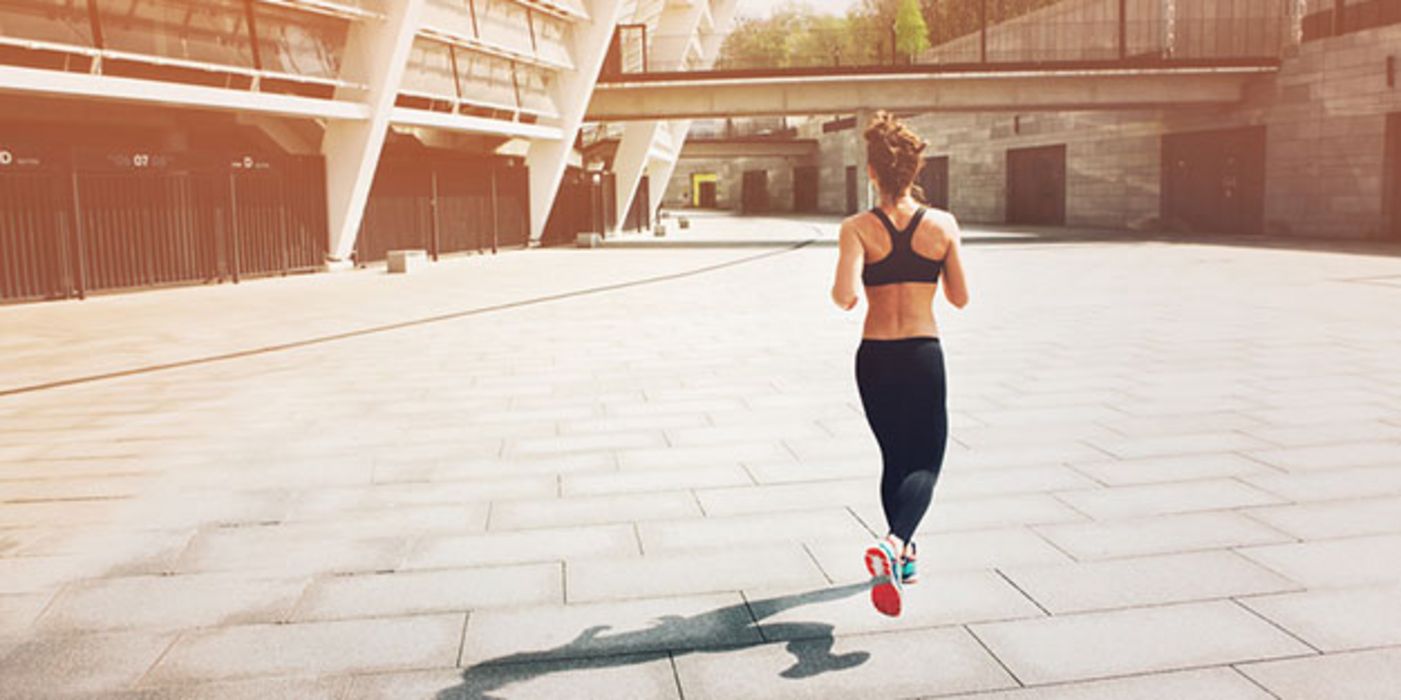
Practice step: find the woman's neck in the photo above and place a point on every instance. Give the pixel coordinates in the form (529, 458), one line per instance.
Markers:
(895, 202)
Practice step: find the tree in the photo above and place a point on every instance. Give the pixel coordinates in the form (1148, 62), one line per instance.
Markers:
(911, 33)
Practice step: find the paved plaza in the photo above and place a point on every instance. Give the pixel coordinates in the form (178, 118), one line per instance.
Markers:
(1174, 472)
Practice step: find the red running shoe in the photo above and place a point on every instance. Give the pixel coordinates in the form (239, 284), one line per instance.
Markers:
(884, 567)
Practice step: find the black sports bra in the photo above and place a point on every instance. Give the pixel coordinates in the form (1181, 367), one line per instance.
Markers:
(902, 264)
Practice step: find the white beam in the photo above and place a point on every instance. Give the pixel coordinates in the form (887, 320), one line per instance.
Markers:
(38, 81)
(638, 148)
(465, 123)
(376, 55)
(1021, 91)
(573, 92)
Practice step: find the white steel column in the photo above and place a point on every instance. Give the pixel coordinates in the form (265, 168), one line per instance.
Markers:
(721, 12)
(573, 90)
(376, 54)
(676, 28)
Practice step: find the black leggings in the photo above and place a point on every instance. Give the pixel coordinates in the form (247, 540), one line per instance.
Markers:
(903, 393)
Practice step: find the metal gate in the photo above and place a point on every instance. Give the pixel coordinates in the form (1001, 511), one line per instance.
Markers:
(76, 220)
(1214, 181)
(1036, 185)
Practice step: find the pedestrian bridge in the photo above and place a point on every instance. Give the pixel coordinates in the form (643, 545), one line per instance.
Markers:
(923, 88)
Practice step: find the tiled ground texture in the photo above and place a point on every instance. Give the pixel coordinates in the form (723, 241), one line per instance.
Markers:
(1176, 473)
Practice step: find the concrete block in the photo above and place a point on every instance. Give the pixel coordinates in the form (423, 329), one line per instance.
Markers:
(1140, 640)
(588, 240)
(1365, 674)
(1337, 620)
(406, 261)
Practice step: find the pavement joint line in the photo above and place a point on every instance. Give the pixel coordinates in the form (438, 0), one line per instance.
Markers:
(462, 641)
(991, 653)
(820, 569)
(1013, 584)
(398, 325)
(1241, 604)
(1252, 681)
(676, 676)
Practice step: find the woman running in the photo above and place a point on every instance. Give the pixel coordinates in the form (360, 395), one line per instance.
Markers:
(899, 248)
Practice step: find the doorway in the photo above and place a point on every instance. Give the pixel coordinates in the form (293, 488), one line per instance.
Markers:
(934, 181)
(805, 188)
(1036, 185)
(704, 187)
(1214, 181)
(754, 196)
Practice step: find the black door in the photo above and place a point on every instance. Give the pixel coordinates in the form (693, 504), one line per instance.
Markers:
(852, 203)
(1391, 194)
(805, 188)
(1036, 185)
(755, 196)
(1214, 181)
(934, 181)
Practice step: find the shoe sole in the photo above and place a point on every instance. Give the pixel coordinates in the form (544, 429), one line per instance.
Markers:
(885, 595)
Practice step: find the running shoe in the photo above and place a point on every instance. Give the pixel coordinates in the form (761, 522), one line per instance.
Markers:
(907, 568)
(884, 567)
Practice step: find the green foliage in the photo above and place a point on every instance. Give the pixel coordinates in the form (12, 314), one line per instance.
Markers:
(911, 33)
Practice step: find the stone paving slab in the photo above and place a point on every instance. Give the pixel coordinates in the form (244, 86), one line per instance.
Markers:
(1160, 535)
(1217, 684)
(634, 676)
(323, 648)
(442, 590)
(157, 603)
(1364, 674)
(588, 580)
(91, 663)
(1137, 640)
(1341, 562)
(847, 666)
(534, 633)
(1142, 581)
(1336, 620)
(1185, 431)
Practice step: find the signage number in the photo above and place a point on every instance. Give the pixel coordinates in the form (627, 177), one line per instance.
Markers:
(6, 157)
(141, 160)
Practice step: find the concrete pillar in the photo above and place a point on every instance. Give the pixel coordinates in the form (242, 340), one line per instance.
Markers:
(863, 117)
(573, 90)
(675, 29)
(376, 54)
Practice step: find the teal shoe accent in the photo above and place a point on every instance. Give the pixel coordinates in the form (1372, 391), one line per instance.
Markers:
(907, 567)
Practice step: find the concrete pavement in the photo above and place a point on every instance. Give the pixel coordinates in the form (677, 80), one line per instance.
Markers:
(1175, 472)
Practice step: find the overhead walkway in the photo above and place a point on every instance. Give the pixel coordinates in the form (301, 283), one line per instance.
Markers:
(924, 88)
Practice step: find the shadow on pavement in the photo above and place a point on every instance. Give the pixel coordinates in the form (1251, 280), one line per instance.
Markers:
(810, 643)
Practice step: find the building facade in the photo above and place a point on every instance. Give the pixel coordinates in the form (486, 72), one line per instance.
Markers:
(1313, 150)
(147, 142)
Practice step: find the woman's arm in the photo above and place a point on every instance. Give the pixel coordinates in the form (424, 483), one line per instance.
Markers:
(955, 283)
(850, 256)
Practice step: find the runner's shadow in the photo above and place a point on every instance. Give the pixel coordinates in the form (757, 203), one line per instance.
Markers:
(722, 629)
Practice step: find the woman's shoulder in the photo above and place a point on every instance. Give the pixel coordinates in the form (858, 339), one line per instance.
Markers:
(943, 221)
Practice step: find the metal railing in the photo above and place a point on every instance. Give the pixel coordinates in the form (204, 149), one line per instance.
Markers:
(1137, 32)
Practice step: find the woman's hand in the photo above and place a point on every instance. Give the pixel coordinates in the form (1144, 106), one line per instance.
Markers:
(850, 256)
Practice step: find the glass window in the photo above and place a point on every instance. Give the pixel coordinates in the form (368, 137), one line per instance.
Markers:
(537, 91)
(210, 31)
(448, 15)
(503, 23)
(429, 70)
(301, 43)
(58, 21)
(550, 36)
(486, 80)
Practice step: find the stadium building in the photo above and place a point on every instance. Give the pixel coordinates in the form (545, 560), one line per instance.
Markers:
(151, 142)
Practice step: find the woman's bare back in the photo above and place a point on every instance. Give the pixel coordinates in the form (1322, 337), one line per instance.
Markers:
(902, 309)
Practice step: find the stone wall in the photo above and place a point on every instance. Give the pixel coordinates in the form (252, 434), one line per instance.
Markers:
(731, 180)
(1325, 119)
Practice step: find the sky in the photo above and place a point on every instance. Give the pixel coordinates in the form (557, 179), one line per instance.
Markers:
(760, 8)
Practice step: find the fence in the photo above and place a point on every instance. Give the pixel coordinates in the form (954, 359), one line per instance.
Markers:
(75, 220)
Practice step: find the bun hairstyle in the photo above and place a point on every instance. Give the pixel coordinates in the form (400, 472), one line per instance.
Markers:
(894, 151)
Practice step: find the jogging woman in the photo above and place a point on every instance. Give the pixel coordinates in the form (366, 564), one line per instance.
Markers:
(899, 248)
